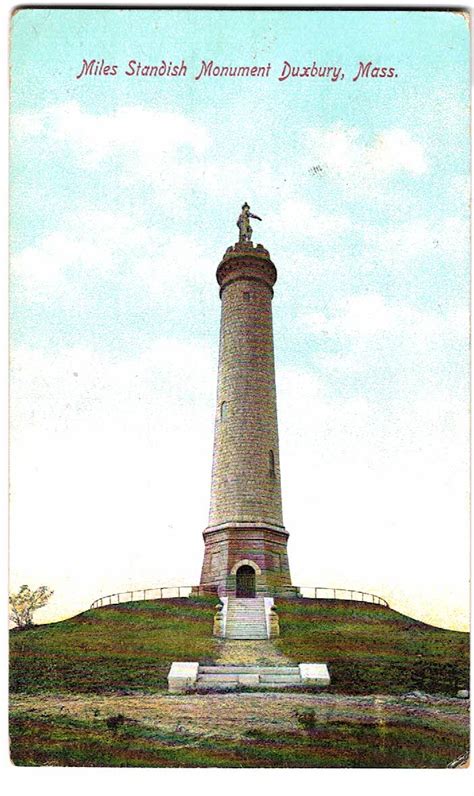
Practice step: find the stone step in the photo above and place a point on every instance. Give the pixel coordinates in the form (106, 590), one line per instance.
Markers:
(243, 612)
(187, 676)
(278, 679)
(221, 686)
(258, 631)
(262, 670)
(246, 601)
(246, 617)
(221, 678)
(233, 676)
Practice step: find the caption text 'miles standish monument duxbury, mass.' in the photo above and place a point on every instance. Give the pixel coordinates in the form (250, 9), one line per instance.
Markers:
(98, 68)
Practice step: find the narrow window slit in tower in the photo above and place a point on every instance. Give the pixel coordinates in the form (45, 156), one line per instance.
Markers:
(223, 410)
(271, 461)
(247, 296)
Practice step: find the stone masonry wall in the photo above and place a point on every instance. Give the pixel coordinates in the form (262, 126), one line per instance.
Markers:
(246, 462)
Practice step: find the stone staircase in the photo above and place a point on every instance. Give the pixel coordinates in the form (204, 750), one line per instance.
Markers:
(224, 677)
(246, 618)
(188, 676)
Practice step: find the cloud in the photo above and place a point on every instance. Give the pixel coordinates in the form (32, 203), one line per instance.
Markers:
(86, 243)
(169, 151)
(148, 137)
(396, 349)
(102, 244)
(343, 156)
(132, 146)
(298, 217)
(369, 315)
(397, 246)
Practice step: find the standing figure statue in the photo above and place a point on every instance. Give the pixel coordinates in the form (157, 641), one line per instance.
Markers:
(243, 223)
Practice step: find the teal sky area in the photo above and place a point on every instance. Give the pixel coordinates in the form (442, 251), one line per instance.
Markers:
(125, 193)
(259, 122)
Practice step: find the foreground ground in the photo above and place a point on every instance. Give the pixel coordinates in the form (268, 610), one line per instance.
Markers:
(247, 729)
(91, 691)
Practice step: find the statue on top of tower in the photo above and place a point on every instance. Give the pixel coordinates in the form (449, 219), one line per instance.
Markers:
(243, 223)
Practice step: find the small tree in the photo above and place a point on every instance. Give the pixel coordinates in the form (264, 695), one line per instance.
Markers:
(24, 602)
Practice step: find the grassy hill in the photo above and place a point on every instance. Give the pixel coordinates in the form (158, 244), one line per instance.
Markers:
(129, 648)
(373, 649)
(123, 648)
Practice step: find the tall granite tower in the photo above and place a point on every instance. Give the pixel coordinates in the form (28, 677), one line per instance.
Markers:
(246, 541)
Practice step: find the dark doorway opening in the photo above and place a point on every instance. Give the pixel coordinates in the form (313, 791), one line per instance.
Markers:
(245, 581)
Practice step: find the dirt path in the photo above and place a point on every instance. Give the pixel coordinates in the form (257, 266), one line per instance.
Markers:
(261, 653)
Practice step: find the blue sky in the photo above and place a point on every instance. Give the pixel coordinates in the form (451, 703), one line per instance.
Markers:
(125, 192)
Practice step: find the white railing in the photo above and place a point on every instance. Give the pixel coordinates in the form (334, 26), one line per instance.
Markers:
(156, 593)
(330, 593)
(168, 592)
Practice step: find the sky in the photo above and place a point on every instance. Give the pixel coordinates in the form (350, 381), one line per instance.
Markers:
(125, 191)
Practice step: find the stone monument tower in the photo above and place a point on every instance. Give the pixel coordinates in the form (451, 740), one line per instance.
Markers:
(246, 541)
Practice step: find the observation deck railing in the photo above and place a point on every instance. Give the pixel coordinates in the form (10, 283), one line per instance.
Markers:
(169, 592)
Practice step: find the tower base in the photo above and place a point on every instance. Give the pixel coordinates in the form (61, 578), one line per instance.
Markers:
(246, 560)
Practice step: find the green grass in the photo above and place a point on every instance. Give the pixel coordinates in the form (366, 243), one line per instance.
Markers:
(130, 647)
(125, 648)
(63, 741)
(372, 649)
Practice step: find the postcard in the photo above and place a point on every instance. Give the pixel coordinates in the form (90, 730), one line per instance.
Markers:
(239, 442)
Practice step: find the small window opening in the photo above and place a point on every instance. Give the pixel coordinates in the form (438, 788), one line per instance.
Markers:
(247, 296)
(223, 410)
(271, 462)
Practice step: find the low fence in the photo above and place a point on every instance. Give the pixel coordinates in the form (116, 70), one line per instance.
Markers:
(157, 593)
(329, 593)
(168, 592)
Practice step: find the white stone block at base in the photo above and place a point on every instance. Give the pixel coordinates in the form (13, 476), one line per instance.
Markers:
(269, 603)
(182, 675)
(314, 674)
(249, 679)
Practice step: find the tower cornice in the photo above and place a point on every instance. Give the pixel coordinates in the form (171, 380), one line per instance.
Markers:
(246, 261)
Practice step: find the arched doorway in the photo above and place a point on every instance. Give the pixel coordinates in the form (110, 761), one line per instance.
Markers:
(245, 581)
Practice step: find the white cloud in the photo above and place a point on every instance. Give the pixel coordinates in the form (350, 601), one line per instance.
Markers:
(169, 151)
(86, 243)
(396, 246)
(131, 146)
(400, 349)
(147, 136)
(102, 243)
(298, 217)
(369, 315)
(341, 154)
